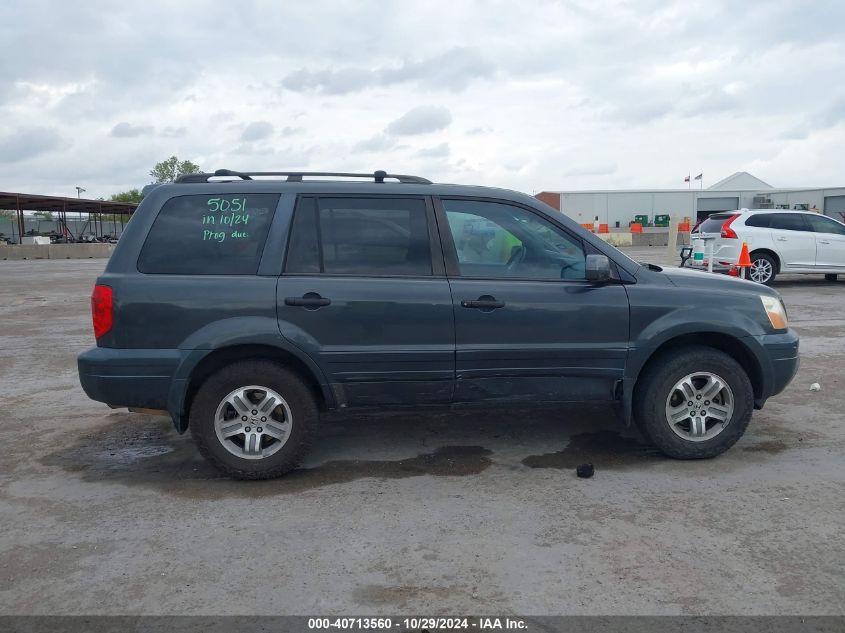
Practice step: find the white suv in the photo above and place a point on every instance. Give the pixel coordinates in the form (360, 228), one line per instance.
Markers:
(779, 241)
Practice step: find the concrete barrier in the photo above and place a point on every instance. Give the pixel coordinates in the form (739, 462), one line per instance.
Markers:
(56, 251)
(25, 251)
(80, 251)
(657, 239)
(616, 239)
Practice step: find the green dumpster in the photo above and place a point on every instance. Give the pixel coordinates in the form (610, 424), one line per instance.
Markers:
(661, 220)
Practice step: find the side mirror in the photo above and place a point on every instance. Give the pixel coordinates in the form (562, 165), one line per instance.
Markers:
(598, 268)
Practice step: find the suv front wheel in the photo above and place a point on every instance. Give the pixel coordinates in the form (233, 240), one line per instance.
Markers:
(253, 419)
(693, 403)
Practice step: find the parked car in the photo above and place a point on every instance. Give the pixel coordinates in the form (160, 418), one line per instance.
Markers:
(778, 241)
(242, 307)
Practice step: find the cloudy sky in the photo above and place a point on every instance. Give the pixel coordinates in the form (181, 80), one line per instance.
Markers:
(527, 95)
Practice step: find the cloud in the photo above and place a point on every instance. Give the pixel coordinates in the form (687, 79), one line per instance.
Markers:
(643, 86)
(377, 143)
(438, 151)
(452, 70)
(174, 132)
(257, 131)
(420, 120)
(591, 170)
(29, 142)
(479, 131)
(125, 130)
(291, 131)
(332, 82)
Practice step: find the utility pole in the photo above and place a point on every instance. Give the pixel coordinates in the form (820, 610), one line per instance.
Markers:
(79, 191)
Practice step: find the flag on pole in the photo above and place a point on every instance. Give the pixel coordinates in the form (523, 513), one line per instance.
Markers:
(686, 178)
(699, 176)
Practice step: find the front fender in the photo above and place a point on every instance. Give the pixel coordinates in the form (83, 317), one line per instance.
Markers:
(739, 326)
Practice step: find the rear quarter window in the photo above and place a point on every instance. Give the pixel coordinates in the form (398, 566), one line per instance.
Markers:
(714, 223)
(209, 235)
(760, 220)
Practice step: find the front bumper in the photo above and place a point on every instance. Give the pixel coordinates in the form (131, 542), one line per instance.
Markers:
(778, 356)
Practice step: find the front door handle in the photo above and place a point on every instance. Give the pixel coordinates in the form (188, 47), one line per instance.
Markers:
(823, 242)
(308, 300)
(782, 239)
(485, 303)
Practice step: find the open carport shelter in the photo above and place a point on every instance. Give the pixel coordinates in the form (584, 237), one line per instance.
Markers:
(60, 207)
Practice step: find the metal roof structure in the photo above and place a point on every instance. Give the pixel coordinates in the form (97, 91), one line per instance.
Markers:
(22, 202)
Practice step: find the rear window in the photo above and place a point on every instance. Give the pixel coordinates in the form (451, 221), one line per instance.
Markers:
(713, 224)
(209, 235)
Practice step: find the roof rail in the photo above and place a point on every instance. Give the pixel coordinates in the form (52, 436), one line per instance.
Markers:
(297, 176)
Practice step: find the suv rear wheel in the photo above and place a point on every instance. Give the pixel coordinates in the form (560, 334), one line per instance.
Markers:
(693, 403)
(253, 419)
(763, 269)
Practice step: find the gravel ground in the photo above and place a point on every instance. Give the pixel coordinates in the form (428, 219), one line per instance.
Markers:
(107, 512)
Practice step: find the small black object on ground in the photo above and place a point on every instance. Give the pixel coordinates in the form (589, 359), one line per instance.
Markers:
(585, 471)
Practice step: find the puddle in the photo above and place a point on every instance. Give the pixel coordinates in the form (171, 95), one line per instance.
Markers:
(141, 450)
(604, 449)
(771, 446)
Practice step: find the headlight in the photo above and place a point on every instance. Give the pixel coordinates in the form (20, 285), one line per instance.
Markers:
(775, 310)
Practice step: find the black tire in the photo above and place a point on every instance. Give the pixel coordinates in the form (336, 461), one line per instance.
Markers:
(303, 425)
(655, 386)
(831, 277)
(757, 259)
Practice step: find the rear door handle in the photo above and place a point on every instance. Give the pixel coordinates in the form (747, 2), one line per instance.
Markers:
(308, 300)
(823, 242)
(485, 303)
(782, 239)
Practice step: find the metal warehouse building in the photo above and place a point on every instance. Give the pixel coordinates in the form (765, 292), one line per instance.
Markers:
(617, 208)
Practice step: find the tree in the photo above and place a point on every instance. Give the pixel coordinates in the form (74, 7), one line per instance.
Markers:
(47, 216)
(170, 169)
(133, 195)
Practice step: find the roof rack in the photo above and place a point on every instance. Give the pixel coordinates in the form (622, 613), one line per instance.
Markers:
(296, 176)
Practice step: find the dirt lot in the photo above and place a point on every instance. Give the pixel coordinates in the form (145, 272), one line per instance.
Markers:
(106, 512)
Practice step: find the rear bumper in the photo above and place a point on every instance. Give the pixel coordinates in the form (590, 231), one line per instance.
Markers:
(778, 356)
(128, 377)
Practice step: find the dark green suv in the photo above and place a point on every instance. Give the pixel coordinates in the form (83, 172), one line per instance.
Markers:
(243, 304)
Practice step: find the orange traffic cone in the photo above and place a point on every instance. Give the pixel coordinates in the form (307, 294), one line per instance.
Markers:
(744, 259)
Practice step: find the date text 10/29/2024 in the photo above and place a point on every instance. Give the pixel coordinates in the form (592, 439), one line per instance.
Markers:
(418, 623)
(223, 213)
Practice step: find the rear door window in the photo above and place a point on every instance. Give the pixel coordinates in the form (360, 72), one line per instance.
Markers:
(788, 222)
(360, 236)
(209, 235)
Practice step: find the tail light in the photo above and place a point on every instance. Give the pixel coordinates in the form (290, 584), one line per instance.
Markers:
(727, 231)
(101, 309)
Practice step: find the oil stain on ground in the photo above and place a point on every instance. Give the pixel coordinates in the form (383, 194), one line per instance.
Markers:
(147, 452)
(604, 449)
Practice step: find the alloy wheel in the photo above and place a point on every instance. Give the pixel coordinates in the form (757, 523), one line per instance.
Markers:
(761, 271)
(699, 406)
(253, 422)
